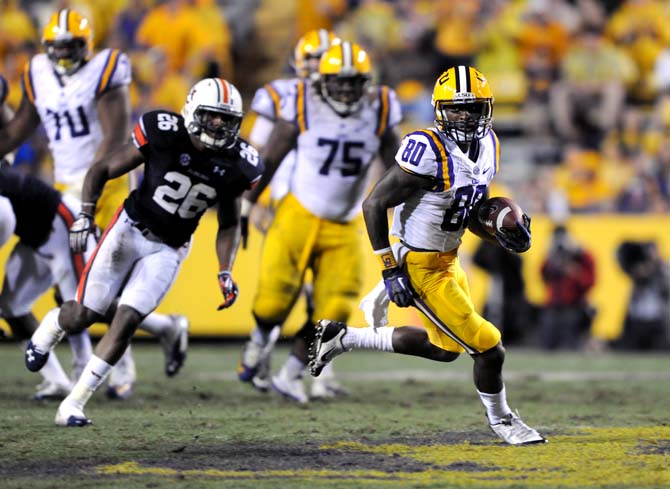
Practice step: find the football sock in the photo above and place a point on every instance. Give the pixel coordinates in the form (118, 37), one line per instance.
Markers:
(52, 371)
(496, 405)
(80, 344)
(91, 378)
(49, 332)
(156, 324)
(294, 368)
(263, 337)
(369, 338)
(327, 373)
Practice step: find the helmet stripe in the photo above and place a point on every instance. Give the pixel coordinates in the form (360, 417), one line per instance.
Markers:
(462, 79)
(226, 91)
(63, 18)
(347, 56)
(324, 41)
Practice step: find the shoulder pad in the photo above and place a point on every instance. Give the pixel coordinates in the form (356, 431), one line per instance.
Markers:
(114, 70)
(156, 126)
(249, 161)
(423, 153)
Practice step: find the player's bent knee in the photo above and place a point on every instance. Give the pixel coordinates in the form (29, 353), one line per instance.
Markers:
(493, 358)
(75, 318)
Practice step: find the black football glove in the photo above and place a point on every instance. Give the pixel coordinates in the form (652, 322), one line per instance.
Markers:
(398, 286)
(516, 240)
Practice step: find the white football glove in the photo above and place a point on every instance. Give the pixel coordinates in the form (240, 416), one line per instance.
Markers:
(79, 231)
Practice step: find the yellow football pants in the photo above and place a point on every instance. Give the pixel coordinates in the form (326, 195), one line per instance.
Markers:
(443, 289)
(113, 195)
(297, 241)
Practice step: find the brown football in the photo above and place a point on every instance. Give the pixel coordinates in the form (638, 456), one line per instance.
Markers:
(498, 213)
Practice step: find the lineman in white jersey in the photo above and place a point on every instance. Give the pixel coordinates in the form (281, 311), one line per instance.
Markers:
(266, 105)
(441, 178)
(338, 126)
(82, 99)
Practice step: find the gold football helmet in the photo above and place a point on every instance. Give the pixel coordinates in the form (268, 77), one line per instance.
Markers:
(68, 39)
(309, 50)
(463, 104)
(344, 76)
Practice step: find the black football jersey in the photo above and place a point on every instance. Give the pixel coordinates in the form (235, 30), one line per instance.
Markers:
(34, 202)
(180, 182)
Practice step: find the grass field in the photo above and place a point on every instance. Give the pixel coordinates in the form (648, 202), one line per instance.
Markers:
(407, 423)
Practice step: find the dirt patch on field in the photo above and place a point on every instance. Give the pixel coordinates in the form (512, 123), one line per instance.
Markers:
(258, 457)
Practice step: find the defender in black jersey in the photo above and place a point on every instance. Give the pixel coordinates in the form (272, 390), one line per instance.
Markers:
(39, 260)
(191, 162)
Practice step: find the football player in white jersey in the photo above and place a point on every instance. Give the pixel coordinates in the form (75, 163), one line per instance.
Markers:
(266, 105)
(337, 126)
(82, 99)
(440, 179)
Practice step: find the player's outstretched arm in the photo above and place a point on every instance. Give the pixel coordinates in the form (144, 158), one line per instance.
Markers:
(21, 126)
(393, 188)
(117, 163)
(227, 243)
(114, 116)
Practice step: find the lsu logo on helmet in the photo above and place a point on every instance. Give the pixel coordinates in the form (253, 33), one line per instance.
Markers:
(463, 104)
(345, 72)
(68, 39)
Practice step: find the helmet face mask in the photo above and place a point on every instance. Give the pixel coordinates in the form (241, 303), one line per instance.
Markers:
(344, 93)
(344, 77)
(213, 113)
(68, 40)
(463, 104)
(464, 122)
(219, 127)
(67, 55)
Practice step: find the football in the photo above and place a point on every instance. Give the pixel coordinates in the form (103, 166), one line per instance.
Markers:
(499, 213)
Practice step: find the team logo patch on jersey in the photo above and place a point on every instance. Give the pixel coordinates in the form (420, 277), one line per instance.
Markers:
(184, 159)
(218, 170)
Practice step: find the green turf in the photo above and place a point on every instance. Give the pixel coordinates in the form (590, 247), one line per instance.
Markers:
(398, 428)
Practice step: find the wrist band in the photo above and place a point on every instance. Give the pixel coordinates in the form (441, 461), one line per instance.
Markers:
(386, 258)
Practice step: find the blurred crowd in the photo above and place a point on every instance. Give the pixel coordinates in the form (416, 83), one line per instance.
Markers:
(582, 87)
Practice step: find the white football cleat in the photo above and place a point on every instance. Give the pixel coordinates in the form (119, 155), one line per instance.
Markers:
(291, 389)
(326, 386)
(254, 366)
(515, 432)
(50, 391)
(327, 344)
(69, 416)
(175, 344)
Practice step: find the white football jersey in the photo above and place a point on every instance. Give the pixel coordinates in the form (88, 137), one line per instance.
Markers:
(436, 219)
(67, 107)
(267, 103)
(334, 153)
